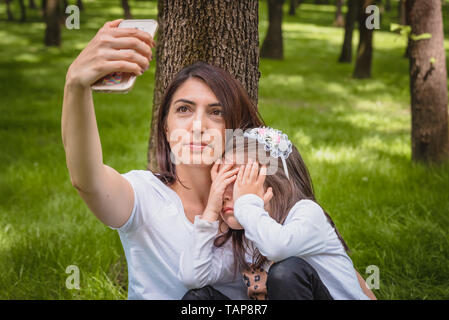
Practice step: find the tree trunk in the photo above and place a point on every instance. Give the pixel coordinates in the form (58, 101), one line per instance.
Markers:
(32, 4)
(23, 12)
(428, 83)
(402, 15)
(272, 46)
(365, 49)
(293, 5)
(388, 5)
(80, 5)
(8, 10)
(339, 18)
(53, 28)
(126, 9)
(222, 33)
(351, 18)
(403, 20)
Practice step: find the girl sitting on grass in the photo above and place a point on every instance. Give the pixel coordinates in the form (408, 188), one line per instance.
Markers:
(283, 242)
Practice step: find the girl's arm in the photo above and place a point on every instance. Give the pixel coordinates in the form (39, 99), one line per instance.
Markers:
(203, 264)
(365, 288)
(200, 264)
(302, 234)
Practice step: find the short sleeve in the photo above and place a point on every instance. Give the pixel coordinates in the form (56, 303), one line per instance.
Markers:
(146, 197)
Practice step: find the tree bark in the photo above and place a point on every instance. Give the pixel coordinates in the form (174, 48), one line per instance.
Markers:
(339, 18)
(222, 33)
(53, 28)
(365, 49)
(428, 83)
(273, 47)
(351, 18)
(126, 9)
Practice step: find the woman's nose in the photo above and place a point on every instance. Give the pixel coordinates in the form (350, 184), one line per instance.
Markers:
(199, 124)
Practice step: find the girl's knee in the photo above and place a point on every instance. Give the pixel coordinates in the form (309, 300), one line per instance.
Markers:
(197, 294)
(288, 270)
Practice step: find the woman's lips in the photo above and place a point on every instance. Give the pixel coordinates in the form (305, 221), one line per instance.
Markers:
(197, 146)
(228, 210)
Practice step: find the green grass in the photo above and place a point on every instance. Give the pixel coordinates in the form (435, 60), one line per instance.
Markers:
(354, 136)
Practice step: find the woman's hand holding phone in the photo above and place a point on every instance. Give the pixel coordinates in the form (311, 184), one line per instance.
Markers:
(111, 50)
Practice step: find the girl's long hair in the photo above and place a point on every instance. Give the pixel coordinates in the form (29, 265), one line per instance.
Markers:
(286, 193)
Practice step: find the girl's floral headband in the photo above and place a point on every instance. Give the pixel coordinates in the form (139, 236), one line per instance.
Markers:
(275, 141)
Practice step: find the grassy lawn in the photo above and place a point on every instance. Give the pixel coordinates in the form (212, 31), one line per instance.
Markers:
(353, 134)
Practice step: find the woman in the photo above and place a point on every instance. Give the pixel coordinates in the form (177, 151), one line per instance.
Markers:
(153, 213)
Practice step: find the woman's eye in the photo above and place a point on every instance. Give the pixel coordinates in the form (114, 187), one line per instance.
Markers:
(217, 112)
(182, 109)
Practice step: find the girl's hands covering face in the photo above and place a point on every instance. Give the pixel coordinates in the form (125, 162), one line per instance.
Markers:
(250, 180)
(222, 175)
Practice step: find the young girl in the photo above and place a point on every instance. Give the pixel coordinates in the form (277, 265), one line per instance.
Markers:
(283, 243)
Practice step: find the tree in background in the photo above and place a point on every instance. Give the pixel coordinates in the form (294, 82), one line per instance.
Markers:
(339, 18)
(403, 20)
(293, 5)
(32, 4)
(80, 5)
(273, 47)
(8, 10)
(126, 9)
(23, 12)
(223, 33)
(428, 81)
(52, 23)
(351, 18)
(363, 64)
(402, 13)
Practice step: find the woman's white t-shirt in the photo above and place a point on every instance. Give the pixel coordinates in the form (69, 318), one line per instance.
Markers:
(153, 239)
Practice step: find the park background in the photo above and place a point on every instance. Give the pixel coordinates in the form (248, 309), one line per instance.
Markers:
(354, 134)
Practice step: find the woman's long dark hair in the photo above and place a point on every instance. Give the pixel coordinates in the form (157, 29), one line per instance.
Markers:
(239, 111)
(286, 193)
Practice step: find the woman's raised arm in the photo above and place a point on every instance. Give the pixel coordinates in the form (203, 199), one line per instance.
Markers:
(105, 191)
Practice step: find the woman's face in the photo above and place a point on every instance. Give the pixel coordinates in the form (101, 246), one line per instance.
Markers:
(195, 124)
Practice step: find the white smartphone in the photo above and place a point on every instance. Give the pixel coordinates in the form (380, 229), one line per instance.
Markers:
(122, 82)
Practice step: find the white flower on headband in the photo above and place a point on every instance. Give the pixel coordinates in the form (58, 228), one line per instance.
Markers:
(274, 141)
